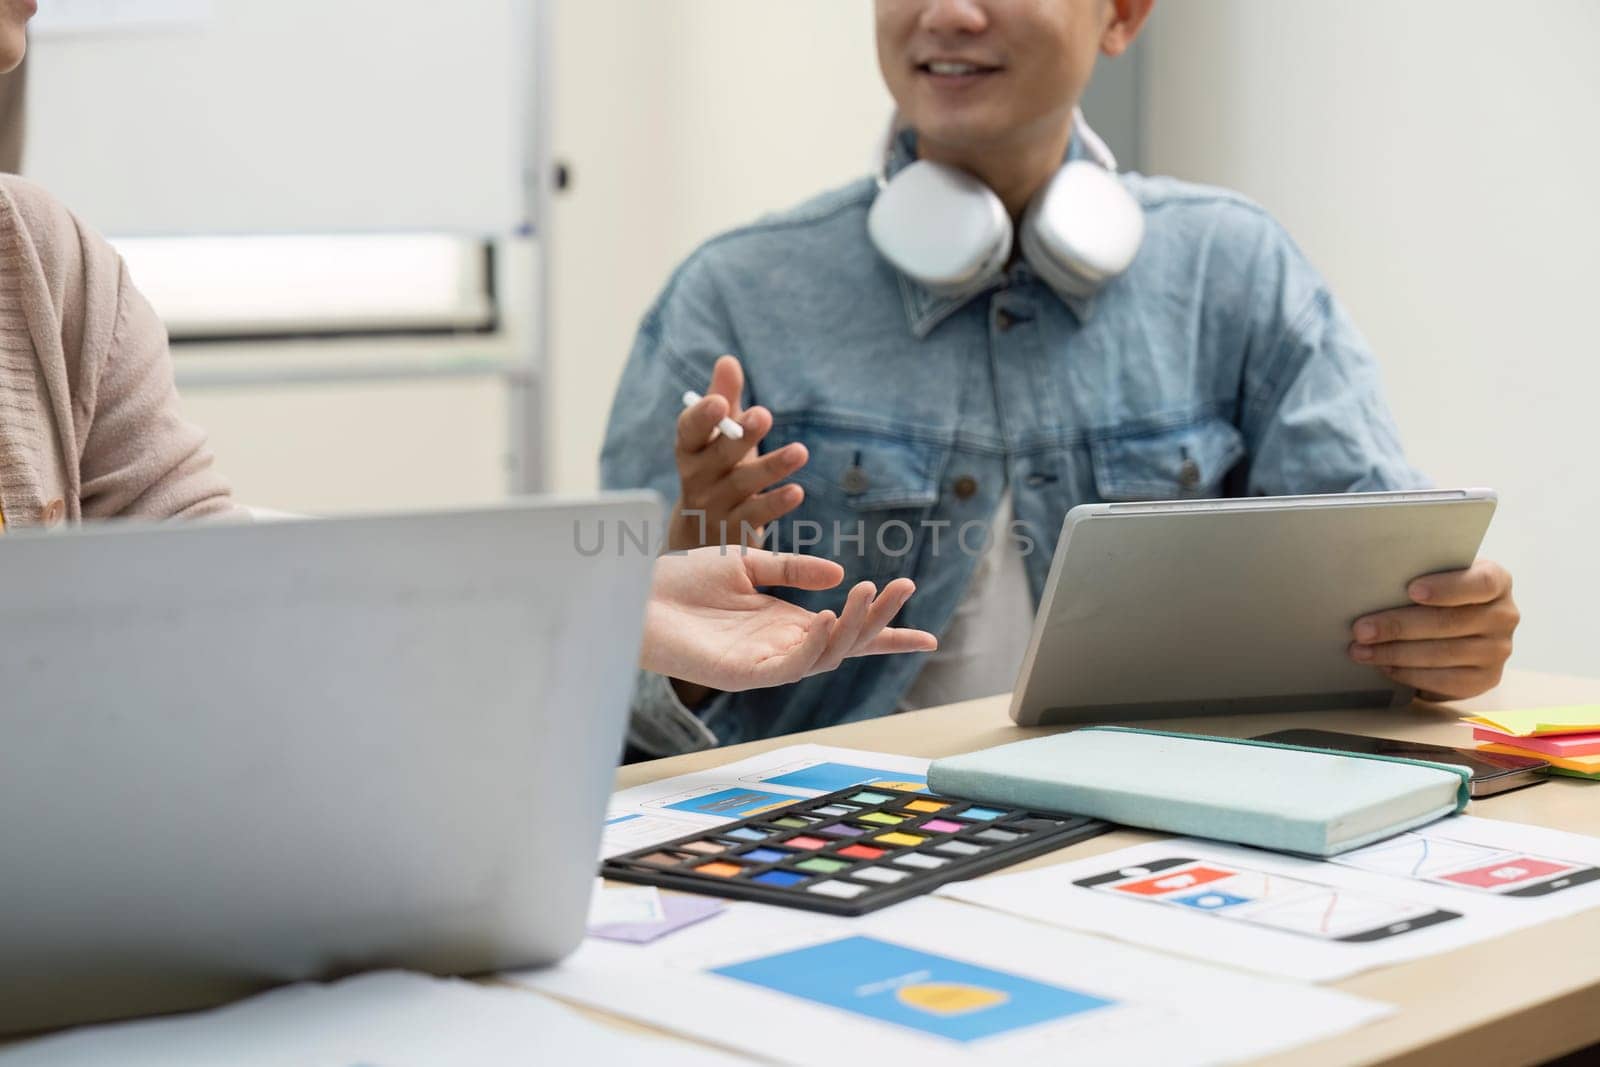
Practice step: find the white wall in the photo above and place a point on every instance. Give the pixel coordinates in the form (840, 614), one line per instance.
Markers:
(1437, 159)
(680, 120)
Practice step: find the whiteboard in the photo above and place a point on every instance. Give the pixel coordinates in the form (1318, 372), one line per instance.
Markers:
(285, 116)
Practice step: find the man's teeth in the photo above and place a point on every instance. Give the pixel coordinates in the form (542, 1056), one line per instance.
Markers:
(937, 67)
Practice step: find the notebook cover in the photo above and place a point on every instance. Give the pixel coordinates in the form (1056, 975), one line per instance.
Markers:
(1285, 797)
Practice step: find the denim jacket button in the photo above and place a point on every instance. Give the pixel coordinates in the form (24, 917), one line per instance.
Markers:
(854, 480)
(1189, 474)
(965, 486)
(1004, 319)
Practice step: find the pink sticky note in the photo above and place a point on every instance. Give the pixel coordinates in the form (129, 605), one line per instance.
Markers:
(1548, 745)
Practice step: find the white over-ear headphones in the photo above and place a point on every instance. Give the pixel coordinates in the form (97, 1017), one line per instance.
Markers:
(947, 230)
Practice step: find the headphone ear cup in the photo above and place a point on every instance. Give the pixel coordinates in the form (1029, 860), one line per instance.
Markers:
(1082, 230)
(942, 227)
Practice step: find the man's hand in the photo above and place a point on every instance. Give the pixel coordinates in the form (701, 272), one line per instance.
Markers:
(706, 623)
(1453, 642)
(721, 481)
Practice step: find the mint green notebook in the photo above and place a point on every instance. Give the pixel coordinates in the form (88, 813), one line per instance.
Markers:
(1259, 793)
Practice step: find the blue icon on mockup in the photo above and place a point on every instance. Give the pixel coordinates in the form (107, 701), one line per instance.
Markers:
(1211, 901)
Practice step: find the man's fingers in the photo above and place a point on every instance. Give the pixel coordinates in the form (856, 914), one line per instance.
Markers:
(1446, 683)
(749, 478)
(764, 508)
(696, 423)
(702, 472)
(1480, 583)
(723, 453)
(727, 381)
(791, 569)
(1423, 623)
(1453, 652)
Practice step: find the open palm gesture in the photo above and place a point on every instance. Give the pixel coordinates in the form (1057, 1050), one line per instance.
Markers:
(708, 624)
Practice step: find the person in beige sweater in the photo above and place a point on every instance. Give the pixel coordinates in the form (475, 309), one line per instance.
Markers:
(90, 428)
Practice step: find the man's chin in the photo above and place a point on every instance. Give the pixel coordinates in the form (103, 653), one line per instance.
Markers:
(963, 135)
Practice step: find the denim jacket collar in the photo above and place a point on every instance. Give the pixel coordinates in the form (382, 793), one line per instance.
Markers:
(925, 309)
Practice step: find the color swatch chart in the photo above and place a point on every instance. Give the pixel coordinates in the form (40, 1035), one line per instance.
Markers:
(851, 851)
(665, 810)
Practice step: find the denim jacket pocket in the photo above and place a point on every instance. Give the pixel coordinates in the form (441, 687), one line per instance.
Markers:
(866, 493)
(1186, 462)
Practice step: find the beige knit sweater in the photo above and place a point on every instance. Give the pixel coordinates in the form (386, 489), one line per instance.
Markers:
(89, 419)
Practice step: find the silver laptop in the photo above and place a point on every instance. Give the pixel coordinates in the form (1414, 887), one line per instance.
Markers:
(1192, 607)
(233, 755)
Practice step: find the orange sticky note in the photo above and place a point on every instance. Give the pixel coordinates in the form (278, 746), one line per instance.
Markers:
(1582, 764)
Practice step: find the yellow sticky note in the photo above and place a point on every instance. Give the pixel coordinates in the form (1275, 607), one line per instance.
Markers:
(1582, 764)
(1533, 722)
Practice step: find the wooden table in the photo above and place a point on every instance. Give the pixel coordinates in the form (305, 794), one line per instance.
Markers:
(1521, 999)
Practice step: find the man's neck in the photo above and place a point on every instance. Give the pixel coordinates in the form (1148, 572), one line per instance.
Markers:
(1015, 170)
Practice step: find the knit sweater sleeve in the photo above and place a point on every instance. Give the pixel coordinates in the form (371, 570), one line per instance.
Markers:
(135, 453)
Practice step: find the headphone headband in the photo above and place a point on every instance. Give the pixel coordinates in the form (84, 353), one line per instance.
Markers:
(944, 228)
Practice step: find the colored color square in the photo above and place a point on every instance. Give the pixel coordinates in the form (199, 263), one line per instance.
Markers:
(663, 859)
(917, 990)
(900, 840)
(842, 890)
(1187, 878)
(981, 813)
(871, 798)
(884, 875)
(749, 833)
(1506, 872)
(841, 830)
(765, 855)
(821, 865)
(719, 869)
(792, 822)
(882, 818)
(996, 836)
(926, 806)
(803, 841)
(1212, 901)
(733, 803)
(941, 826)
(705, 848)
(831, 777)
(782, 879)
(860, 852)
(920, 860)
(959, 848)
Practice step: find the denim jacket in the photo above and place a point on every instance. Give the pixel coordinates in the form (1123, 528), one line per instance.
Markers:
(1217, 365)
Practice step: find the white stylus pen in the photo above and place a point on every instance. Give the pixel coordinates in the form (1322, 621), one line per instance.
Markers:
(728, 427)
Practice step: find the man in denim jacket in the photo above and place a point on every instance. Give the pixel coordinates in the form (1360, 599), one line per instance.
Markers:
(916, 425)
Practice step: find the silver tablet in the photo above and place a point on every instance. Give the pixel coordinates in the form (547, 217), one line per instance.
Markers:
(1191, 607)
